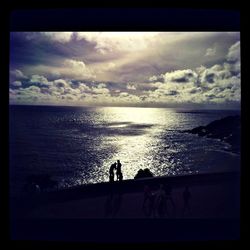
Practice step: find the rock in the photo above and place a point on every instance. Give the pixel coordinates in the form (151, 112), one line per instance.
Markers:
(143, 173)
(227, 129)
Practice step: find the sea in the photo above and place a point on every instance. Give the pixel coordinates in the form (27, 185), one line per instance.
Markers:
(77, 145)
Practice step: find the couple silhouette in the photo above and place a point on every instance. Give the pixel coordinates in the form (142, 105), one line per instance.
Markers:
(115, 166)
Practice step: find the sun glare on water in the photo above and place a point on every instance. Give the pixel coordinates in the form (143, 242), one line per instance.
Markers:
(137, 140)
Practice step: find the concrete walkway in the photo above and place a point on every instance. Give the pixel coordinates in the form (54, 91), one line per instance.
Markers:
(218, 199)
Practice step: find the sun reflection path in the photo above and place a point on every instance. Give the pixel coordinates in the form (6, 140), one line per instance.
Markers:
(136, 151)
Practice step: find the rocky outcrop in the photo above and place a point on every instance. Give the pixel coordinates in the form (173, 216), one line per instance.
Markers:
(143, 173)
(227, 129)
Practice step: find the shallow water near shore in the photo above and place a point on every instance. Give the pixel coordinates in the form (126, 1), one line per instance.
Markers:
(77, 145)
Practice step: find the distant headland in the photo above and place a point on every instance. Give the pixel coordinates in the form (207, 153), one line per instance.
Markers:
(226, 129)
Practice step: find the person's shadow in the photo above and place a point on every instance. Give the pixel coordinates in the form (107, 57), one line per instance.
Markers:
(117, 204)
(113, 204)
(109, 205)
(186, 195)
(148, 204)
(170, 207)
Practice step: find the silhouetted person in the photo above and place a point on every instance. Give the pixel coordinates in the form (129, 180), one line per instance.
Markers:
(113, 203)
(121, 177)
(186, 197)
(148, 201)
(160, 205)
(37, 188)
(119, 171)
(117, 203)
(169, 199)
(111, 172)
(109, 205)
(31, 187)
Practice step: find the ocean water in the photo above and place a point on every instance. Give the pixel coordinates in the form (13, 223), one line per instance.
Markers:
(77, 145)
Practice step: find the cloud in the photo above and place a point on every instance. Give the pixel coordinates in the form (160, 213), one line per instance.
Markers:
(234, 53)
(61, 83)
(131, 87)
(77, 69)
(62, 37)
(218, 84)
(233, 59)
(68, 68)
(16, 77)
(18, 74)
(32, 89)
(39, 80)
(100, 89)
(153, 78)
(125, 69)
(210, 51)
(16, 83)
(208, 76)
(115, 56)
(109, 42)
(172, 92)
(180, 76)
(59, 36)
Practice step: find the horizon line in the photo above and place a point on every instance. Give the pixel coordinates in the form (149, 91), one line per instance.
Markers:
(116, 106)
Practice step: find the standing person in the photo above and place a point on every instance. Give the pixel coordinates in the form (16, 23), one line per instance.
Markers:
(186, 197)
(168, 191)
(119, 171)
(160, 201)
(148, 201)
(111, 172)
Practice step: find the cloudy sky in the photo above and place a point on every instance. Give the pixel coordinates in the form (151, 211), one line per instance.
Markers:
(151, 69)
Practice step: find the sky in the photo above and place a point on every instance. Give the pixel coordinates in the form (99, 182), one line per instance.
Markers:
(144, 69)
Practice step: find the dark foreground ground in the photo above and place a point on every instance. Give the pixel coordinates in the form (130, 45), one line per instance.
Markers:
(114, 212)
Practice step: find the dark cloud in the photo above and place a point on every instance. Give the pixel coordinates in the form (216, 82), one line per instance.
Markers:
(195, 90)
(172, 93)
(60, 83)
(210, 77)
(182, 79)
